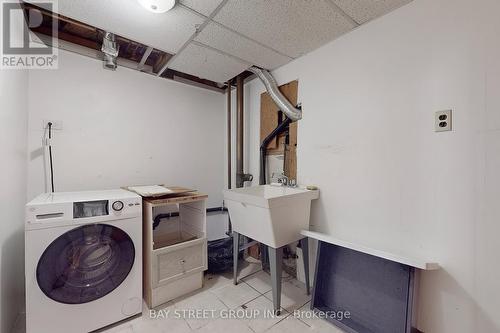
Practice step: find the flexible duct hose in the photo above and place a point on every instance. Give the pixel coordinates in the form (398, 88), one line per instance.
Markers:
(272, 89)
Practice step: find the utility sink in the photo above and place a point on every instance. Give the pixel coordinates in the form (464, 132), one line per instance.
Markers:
(273, 215)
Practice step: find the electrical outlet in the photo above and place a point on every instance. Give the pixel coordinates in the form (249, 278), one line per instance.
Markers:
(443, 121)
(57, 125)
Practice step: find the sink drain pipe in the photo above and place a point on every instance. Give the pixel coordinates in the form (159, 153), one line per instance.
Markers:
(282, 127)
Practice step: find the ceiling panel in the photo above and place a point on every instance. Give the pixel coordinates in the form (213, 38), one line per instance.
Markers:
(292, 27)
(205, 7)
(207, 63)
(225, 40)
(167, 31)
(365, 10)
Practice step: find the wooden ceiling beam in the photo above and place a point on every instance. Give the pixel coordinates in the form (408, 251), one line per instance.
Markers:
(68, 37)
(162, 60)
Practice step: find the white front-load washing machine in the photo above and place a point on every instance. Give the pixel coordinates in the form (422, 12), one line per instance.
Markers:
(83, 260)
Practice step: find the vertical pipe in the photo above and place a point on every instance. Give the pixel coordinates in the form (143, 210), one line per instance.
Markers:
(239, 131)
(229, 134)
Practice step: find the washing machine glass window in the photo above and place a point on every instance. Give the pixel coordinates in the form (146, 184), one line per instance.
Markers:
(85, 263)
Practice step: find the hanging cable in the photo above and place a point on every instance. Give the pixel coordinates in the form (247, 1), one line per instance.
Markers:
(50, 158)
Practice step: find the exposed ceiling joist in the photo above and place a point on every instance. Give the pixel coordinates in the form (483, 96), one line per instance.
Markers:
(218, 39)
(86, 40)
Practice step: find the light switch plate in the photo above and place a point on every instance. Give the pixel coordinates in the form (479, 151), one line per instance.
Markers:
(443, 121)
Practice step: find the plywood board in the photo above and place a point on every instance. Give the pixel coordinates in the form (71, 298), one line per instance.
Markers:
(290, 167)
(269, 117)
(182, 198)
(170, 191)
(269, 121)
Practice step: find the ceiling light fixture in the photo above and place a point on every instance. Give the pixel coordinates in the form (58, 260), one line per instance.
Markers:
(157, 6)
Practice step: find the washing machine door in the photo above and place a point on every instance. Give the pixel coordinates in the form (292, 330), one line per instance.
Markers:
(85, 263)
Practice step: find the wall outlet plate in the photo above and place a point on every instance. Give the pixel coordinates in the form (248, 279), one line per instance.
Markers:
(57, 125)
(443, 121)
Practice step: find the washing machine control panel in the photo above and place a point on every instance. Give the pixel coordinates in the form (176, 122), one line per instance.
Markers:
(57, 209)
(117, 205)
(122, 207)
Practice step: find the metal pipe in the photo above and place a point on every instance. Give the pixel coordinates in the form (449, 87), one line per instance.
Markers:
(110, 49)
(283, 126)
(229, 134)
(239, 131)
(272, 89)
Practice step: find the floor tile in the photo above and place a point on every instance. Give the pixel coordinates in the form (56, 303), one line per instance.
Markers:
(306, 315)
(234, 296)
(226, 326)
(215, 281)
(126, 329)
(220, 295)
(161, 320)
(168, 320)
(187, 307)
(260, 315)
(290, 325)
(261, 281)
(147, 326)
(248, 267)
(299, 284)
(292, 297)
(126, 326)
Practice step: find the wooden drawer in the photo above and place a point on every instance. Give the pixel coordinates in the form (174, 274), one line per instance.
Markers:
(176, 261)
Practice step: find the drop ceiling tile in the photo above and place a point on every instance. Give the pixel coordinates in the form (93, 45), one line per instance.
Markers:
(365, 10)
(205, 7)
(225, 40)
(292, 27)
(207, 63)
(167, 31)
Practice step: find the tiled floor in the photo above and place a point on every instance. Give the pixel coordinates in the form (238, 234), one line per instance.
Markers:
(251, 300)
(248, 304)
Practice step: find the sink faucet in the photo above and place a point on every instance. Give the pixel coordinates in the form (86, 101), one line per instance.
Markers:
(284, 180)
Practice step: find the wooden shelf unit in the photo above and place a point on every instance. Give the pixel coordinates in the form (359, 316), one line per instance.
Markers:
(175, 253)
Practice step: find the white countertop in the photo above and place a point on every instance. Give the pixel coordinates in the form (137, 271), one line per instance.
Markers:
(414, 262)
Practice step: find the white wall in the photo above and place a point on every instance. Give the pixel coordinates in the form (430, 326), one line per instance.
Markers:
(13, 145)
(123, 128)
(387, 179)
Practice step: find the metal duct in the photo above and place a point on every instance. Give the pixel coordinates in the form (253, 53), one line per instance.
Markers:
(110, 49)
(272, 89)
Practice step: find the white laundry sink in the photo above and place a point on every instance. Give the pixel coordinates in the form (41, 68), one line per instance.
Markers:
(273, 215)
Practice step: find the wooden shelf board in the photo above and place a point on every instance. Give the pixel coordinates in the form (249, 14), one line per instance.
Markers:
(182, 198)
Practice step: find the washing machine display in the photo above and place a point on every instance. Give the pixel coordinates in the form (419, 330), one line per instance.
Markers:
(85, 263)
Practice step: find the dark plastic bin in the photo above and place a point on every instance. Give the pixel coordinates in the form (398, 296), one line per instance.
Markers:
(220, 255)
